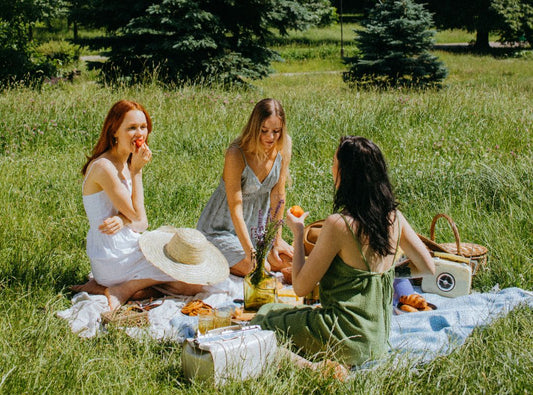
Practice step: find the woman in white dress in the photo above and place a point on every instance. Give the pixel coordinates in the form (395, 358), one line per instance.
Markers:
(114, 203)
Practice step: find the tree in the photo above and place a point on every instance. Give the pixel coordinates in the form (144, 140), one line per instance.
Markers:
(394, 48)
(477, 16)
(518, 20)
(18, 59)
(213, 40)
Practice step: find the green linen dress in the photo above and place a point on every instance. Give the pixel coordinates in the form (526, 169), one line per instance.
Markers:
(353, 321)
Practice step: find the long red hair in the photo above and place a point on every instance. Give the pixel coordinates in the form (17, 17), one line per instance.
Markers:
(112, 122)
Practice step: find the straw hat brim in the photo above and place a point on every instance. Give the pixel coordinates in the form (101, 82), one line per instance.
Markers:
(212, 270)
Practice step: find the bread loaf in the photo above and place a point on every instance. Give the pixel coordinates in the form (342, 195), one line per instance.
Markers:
(409, 309)
(414, 300)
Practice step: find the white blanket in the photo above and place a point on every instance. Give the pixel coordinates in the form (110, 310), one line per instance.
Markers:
(424, 335)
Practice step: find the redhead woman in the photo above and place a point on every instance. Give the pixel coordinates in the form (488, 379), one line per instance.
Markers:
(114, 202)
(353, 262)
(253, 180)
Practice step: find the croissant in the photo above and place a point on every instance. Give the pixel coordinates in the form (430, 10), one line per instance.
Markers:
(414, 300)
(194, 307)
(427, 308)
(409, 309)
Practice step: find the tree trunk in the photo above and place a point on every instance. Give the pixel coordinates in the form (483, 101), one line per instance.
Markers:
(482, 40)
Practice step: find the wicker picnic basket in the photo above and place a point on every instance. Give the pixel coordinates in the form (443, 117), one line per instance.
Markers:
(126, 316)
(476, 253)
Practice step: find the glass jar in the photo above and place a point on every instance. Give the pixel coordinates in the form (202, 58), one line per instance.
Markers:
(260, 287)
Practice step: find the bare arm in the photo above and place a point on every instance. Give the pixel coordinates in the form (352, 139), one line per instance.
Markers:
(415, 249)
(305, 275)
(131, 209)
(278, 195)
(233, 168)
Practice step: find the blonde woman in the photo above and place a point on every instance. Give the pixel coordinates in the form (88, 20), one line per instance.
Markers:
(253, 180)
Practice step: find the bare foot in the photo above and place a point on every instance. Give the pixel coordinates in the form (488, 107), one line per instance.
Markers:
(91, 287)
(115, 298)
(332, 368)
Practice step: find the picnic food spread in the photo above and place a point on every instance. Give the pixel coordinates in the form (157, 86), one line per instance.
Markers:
(414, 303)
(194, 307)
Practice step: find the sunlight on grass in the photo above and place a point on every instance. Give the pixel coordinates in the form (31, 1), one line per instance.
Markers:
(466, 150)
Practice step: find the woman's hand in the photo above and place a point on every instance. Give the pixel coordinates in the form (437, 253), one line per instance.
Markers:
(112, 225)
(280, 247)
(140, 157)
(294, 223)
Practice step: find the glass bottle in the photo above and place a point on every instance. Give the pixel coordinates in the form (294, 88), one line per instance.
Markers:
(260, 286)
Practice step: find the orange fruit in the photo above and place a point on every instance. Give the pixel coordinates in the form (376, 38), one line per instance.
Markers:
(297, 211)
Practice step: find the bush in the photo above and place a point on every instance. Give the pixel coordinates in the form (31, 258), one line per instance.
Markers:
(18, 59)
(25, 66)
(61, 52)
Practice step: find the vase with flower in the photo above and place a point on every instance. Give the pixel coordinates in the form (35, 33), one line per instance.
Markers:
(260, 286)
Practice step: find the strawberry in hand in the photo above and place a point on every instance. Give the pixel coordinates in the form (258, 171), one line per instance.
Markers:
(139, 142)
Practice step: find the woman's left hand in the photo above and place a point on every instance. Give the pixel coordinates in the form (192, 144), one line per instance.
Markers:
(281, 247)
(111, 225)
(296, 223)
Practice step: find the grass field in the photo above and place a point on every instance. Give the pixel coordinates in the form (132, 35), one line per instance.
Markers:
(465, 150)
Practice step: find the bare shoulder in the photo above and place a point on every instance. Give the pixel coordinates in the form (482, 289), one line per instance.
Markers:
(401, 218)
(335, 223)
(102, 166)
(233, 165)
(234, 154)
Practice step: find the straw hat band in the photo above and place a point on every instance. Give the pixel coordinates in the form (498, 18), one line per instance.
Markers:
(187, 247)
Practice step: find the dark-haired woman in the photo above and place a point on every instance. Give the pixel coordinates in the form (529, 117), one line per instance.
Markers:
(114, 202)
(353, 261)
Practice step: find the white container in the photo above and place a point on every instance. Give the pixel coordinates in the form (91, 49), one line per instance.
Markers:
(451, 279)
(229, 353)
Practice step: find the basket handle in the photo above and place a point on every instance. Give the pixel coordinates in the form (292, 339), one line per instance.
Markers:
(452, 225)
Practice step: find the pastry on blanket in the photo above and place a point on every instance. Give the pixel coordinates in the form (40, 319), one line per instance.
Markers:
(409, 309)
(240, 315)
(427, 308)
(414, 300)
(194, 307)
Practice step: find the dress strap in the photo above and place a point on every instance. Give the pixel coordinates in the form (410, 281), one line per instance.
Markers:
(243, 156)
(357, 242)
(89, 168)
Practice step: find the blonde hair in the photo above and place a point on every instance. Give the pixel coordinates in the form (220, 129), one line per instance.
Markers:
(250, 138)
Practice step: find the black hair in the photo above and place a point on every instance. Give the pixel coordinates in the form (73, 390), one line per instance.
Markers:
(365, 192)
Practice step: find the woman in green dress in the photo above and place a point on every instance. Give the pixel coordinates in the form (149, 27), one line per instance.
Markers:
(352, 261)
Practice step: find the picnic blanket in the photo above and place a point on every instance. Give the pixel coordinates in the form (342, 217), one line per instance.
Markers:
(422, 335)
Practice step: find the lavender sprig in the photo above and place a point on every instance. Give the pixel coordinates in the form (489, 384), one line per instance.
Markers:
(264, 236)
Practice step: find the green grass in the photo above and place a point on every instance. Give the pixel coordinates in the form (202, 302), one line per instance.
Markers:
(465, 150)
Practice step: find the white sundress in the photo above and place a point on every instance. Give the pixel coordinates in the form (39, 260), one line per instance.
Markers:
(115, 258)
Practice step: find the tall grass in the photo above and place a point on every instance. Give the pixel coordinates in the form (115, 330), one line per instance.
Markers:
(465, 150)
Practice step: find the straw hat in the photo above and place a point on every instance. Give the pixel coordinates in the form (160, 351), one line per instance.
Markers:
(184, 254)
